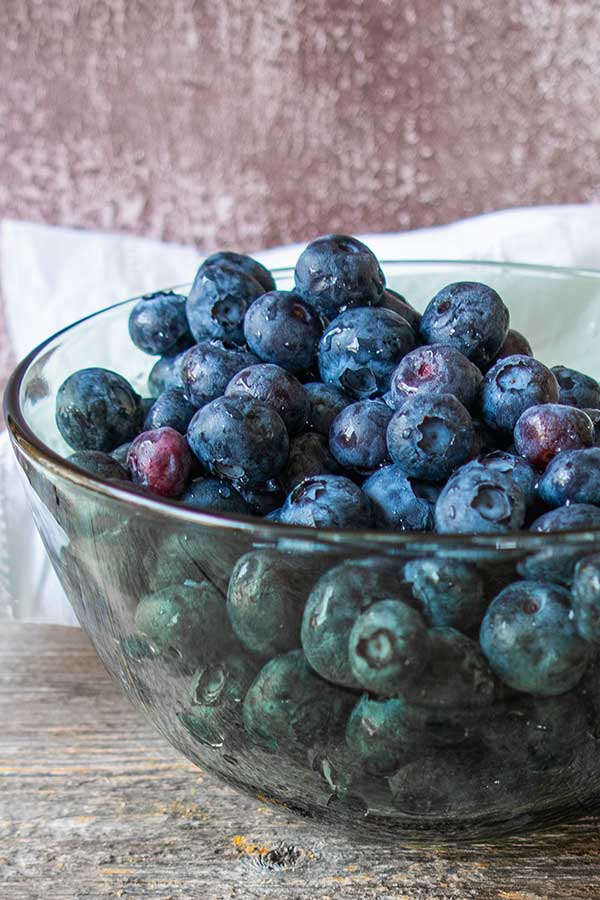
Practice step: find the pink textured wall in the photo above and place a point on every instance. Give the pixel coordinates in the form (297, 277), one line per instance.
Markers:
(251, 122)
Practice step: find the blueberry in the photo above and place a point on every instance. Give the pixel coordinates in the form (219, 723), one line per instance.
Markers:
(388, 646)
(383, 734)
(263, 498)
(557, 562)
(586, 598)
(158, 324)
(399, 304)
(265, 601)
(214, 495)
(451, 592)
(160, 460)
(572, 477)
(398, 501)
(333, 606)
(336, 272)
(309, 455)
(226, 259)
(479, 500)
(513, 385)
(277, 388)
(240, 439)
(357, 438)
(165, 375)
(218, 301)
(192, 554)
(360, 349)
(567, 518)
(469, 316)
(327, 501)
(457, 676)
(543, 431)
(436, 369)
(287, 704)
(217, 695)
(207, 369)
(326, 401)
(577, 389)
(101, 464)
(187, 620)
(170, 409)
(530, 640)
(514, 343)
(279, 328)
(96, 409)
(515, 468)
(430, 436)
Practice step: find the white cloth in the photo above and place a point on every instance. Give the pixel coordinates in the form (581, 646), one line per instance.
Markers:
(52, 276)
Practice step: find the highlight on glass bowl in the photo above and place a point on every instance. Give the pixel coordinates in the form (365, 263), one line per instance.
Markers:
(337, 530)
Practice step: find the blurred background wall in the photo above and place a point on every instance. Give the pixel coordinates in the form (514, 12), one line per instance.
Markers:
(248, 123)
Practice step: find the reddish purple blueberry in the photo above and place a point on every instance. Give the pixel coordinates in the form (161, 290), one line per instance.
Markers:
(543, 431)
(161, 461)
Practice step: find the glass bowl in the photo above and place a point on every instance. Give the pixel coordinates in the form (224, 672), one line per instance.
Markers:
(463, 758)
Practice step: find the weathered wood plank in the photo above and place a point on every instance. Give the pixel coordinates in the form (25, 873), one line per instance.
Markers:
(94, 804)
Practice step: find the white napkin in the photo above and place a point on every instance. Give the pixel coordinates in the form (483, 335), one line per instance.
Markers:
(52, 276)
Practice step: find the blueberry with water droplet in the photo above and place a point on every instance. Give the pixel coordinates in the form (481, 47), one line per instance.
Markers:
(218, 301)
(357, 437)
(430, 436)
(240, 439)
(328, 501)
(96, 409)
(277, 388)
(469, 316)
(214, 494)
(360, 349)
(513, 385)
(228, 259)
(336, 272)
(479, 500)
(170, 409)
(207, 369)
(158, 324)
(400, 503)
(325, 402)
(543, 431)
(279, 328)
(436, 369)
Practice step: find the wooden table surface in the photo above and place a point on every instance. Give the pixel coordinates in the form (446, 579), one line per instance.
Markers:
(94, 803)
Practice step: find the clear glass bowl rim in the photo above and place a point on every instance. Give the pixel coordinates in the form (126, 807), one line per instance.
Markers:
(30, 444)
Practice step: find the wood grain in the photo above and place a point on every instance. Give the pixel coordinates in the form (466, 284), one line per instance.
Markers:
(94, 804)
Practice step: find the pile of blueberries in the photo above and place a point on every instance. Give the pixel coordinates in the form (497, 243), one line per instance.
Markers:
(338, 405)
